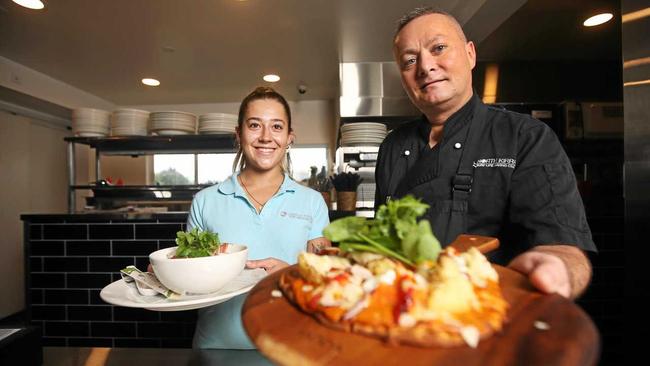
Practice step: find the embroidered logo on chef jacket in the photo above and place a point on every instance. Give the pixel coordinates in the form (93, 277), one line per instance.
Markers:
(297, 216)
(495, 163)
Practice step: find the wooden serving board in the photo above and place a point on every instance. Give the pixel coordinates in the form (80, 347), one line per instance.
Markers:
(288, 336)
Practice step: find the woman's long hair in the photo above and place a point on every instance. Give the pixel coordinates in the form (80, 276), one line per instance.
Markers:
(262, 92)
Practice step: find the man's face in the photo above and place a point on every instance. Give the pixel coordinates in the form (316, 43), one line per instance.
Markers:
(435, 63)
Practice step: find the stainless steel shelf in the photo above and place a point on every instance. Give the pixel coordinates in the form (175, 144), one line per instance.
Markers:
(146, 145)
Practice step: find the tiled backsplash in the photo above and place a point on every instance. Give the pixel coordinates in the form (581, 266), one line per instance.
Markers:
(72, 258)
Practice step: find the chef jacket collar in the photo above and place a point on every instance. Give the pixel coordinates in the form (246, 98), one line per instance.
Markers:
(455, 122)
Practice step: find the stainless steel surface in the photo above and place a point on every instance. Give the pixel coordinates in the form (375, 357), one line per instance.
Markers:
(98, 168)
(373, 89)
(71, 178)
(636, 94)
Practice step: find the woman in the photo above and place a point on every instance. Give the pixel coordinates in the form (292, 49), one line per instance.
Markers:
(259, 206)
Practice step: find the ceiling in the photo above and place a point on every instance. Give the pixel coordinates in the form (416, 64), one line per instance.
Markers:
(206, 51)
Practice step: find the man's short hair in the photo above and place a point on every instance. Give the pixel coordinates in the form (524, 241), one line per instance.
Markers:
(422, 11)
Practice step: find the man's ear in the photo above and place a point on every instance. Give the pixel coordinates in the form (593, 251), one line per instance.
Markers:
(471, 53)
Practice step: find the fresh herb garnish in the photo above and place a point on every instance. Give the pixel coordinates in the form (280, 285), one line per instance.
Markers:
(394, 232)
(196, 243)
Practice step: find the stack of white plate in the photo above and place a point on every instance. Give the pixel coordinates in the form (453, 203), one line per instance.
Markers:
(89, 122)
(217, 123)
(362, 134)
(172, 123)
(129, 122)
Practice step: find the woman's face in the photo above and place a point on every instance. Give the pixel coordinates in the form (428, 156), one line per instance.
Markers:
(264, 135)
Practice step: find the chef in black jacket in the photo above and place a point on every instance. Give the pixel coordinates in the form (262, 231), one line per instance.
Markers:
(482, 170)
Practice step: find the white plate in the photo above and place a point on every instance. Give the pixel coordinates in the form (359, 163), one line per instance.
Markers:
(122, 294)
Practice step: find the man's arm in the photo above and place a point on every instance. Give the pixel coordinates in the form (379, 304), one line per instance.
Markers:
(562, 269)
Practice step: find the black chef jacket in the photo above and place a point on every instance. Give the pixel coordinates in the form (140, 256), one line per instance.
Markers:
(494, 173)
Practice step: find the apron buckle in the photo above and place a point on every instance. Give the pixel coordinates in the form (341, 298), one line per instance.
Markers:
(462, 182)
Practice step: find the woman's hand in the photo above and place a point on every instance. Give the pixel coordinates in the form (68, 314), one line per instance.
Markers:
(316, 245)
(270, 265)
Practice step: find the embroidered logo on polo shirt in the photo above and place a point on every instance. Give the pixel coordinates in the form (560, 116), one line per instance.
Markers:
(495, 163)
(296, 216)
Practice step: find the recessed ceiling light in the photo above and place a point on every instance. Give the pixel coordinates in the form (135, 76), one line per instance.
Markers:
(598, 19)
(31, 4)
(150, 82)
(271, 78)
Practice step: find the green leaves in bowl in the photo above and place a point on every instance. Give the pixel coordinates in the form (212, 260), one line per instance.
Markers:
(394, 232)
(196, 243)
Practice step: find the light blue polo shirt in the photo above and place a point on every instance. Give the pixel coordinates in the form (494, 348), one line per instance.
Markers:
(294, 215)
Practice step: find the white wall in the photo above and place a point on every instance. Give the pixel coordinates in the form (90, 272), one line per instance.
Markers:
(31, 82)
(33, 180)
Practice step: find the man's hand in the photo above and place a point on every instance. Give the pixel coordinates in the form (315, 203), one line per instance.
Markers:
(562, 269)
(270, 265)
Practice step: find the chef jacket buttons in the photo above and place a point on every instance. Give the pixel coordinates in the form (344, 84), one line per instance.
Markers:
(458, 145)
(407, 152)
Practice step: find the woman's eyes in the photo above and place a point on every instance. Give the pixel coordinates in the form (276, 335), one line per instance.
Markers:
(257, 125)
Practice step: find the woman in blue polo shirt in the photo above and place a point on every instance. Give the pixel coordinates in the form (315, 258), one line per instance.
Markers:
(259, 206)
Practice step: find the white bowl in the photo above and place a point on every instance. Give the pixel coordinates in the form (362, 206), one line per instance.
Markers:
(201, 275)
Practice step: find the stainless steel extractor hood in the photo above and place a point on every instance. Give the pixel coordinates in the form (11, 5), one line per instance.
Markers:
(373, 89)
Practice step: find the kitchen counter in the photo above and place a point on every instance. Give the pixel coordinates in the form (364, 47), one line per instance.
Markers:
(96, 356)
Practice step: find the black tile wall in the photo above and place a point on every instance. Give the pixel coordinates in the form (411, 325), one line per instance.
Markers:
(66, 329)
(110, 264)
(66, 296)
(65, 264)
(91, 312)
(63, 231)
(137, 343)
(111, 231)
(157, 231)
(115, 329)
(90, 342)
(36, 296)
(72, 258)
(88, 248)
(88, 280)
(35, 232)
(48, 248)
(48, 312)
(134, 247)
(54, 342)
(132, 314)
(47, 280)
(36, 264)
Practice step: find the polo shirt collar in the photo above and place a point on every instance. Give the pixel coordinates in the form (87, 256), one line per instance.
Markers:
(232, 186)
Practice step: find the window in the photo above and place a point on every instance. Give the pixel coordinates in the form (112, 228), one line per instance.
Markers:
(192, 169)
(303, 158)
(173, 169)
(214, 168)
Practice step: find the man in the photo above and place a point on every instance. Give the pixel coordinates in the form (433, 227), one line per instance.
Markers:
(482, 170)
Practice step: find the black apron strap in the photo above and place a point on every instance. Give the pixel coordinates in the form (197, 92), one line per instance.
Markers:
(462, 182)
